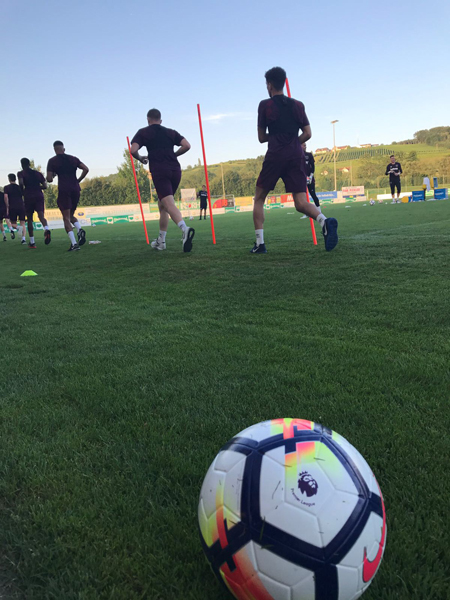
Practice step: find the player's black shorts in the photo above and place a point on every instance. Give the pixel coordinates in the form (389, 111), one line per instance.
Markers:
(203, 204)
(17, 213)
(396, 184)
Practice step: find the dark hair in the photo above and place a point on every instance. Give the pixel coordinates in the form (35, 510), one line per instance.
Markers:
(154, 114)
(11, 177)
(392, 156)
(58, 143)
(25, 162)
(277, 77)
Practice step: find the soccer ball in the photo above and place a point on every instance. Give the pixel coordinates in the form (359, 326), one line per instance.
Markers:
(372, 202)
(290, 510)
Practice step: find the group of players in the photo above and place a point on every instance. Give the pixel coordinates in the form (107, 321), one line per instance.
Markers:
(279, 121)
(21, 200)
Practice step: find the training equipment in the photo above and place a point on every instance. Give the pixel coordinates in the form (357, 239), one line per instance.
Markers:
(291, 510)
(137, 189)
(206, 174)
(372, 202)
(29, 274)
(313, 230)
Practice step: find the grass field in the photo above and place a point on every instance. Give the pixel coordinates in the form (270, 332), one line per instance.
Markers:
(124, 370)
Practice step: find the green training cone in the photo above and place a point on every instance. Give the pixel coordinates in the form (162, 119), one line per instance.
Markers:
(28, 274)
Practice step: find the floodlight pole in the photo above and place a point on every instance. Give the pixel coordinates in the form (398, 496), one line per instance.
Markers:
(223, 184)
(334, 148)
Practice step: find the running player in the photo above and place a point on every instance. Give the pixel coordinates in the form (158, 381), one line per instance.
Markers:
(65, 166)
(203, 195)
(166, 173)
(16, 207)
(284, 117)
(32, 183)
(394, 169)
(310, 168)
(4, 215)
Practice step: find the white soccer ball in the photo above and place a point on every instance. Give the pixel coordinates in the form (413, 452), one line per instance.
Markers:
(290, 510)
(372, 202)
(191, 218)
(94, 225)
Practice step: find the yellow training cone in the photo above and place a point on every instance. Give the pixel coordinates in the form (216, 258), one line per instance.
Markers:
(28, 274)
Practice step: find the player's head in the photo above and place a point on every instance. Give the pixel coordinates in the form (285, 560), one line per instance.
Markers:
(154, 116)
(58, 147)
(275, 80)
(25, 162)
(204, 187)
(304, 146)
(392, 157)
(12, 177)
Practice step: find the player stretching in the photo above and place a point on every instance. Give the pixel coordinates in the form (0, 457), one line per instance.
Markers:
(284, 117)
(4, 215)
(394, 169)
(166, 173)
(203, 195)
(16, 207)
(65, 166)
(32, 183)
(310, 168)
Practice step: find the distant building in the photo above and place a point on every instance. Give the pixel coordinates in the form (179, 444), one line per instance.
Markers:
(345, 170)
(322, 151)
(366, 146)
(324, 173)
(343, 147)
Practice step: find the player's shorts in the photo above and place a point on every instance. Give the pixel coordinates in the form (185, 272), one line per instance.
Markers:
(34, 204)
(290, 172)
(68, 200)
(203, 204)
(16, 213)
(166, 181)
(396, 184)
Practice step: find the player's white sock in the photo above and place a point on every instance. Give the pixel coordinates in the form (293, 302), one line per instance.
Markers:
(23, 238)
(182, 225)
(46, 227)
(321, 218)
(31, 239)
(77, 225)
(72, 237)
(259, 236)
(162, 235)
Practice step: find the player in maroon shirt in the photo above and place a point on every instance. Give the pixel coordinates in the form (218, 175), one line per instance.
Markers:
(166, 173)
(65, 166)
(16, 207)
(32, 183)
(283, 117)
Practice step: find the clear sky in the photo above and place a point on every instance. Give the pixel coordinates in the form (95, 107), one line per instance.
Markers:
(87, 72)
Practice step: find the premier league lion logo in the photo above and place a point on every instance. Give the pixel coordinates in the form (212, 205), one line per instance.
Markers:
(307, 484)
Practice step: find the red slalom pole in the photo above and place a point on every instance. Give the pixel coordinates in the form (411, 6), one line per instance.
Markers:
(137, 189)
(313, 230)
(206, 175)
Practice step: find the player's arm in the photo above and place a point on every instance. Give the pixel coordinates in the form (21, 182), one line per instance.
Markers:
(387, 170)
(50, 176)
(184, 147)
(135, 153)
(306, 134)
(85, 171)
(400, 170)
(313, 164)
(263, 136)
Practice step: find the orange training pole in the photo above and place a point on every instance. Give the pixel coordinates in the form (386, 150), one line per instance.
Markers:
(313, 231)
(206, 175)
(137, 189)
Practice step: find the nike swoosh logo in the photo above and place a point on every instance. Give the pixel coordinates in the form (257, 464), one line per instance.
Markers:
(370, 567)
